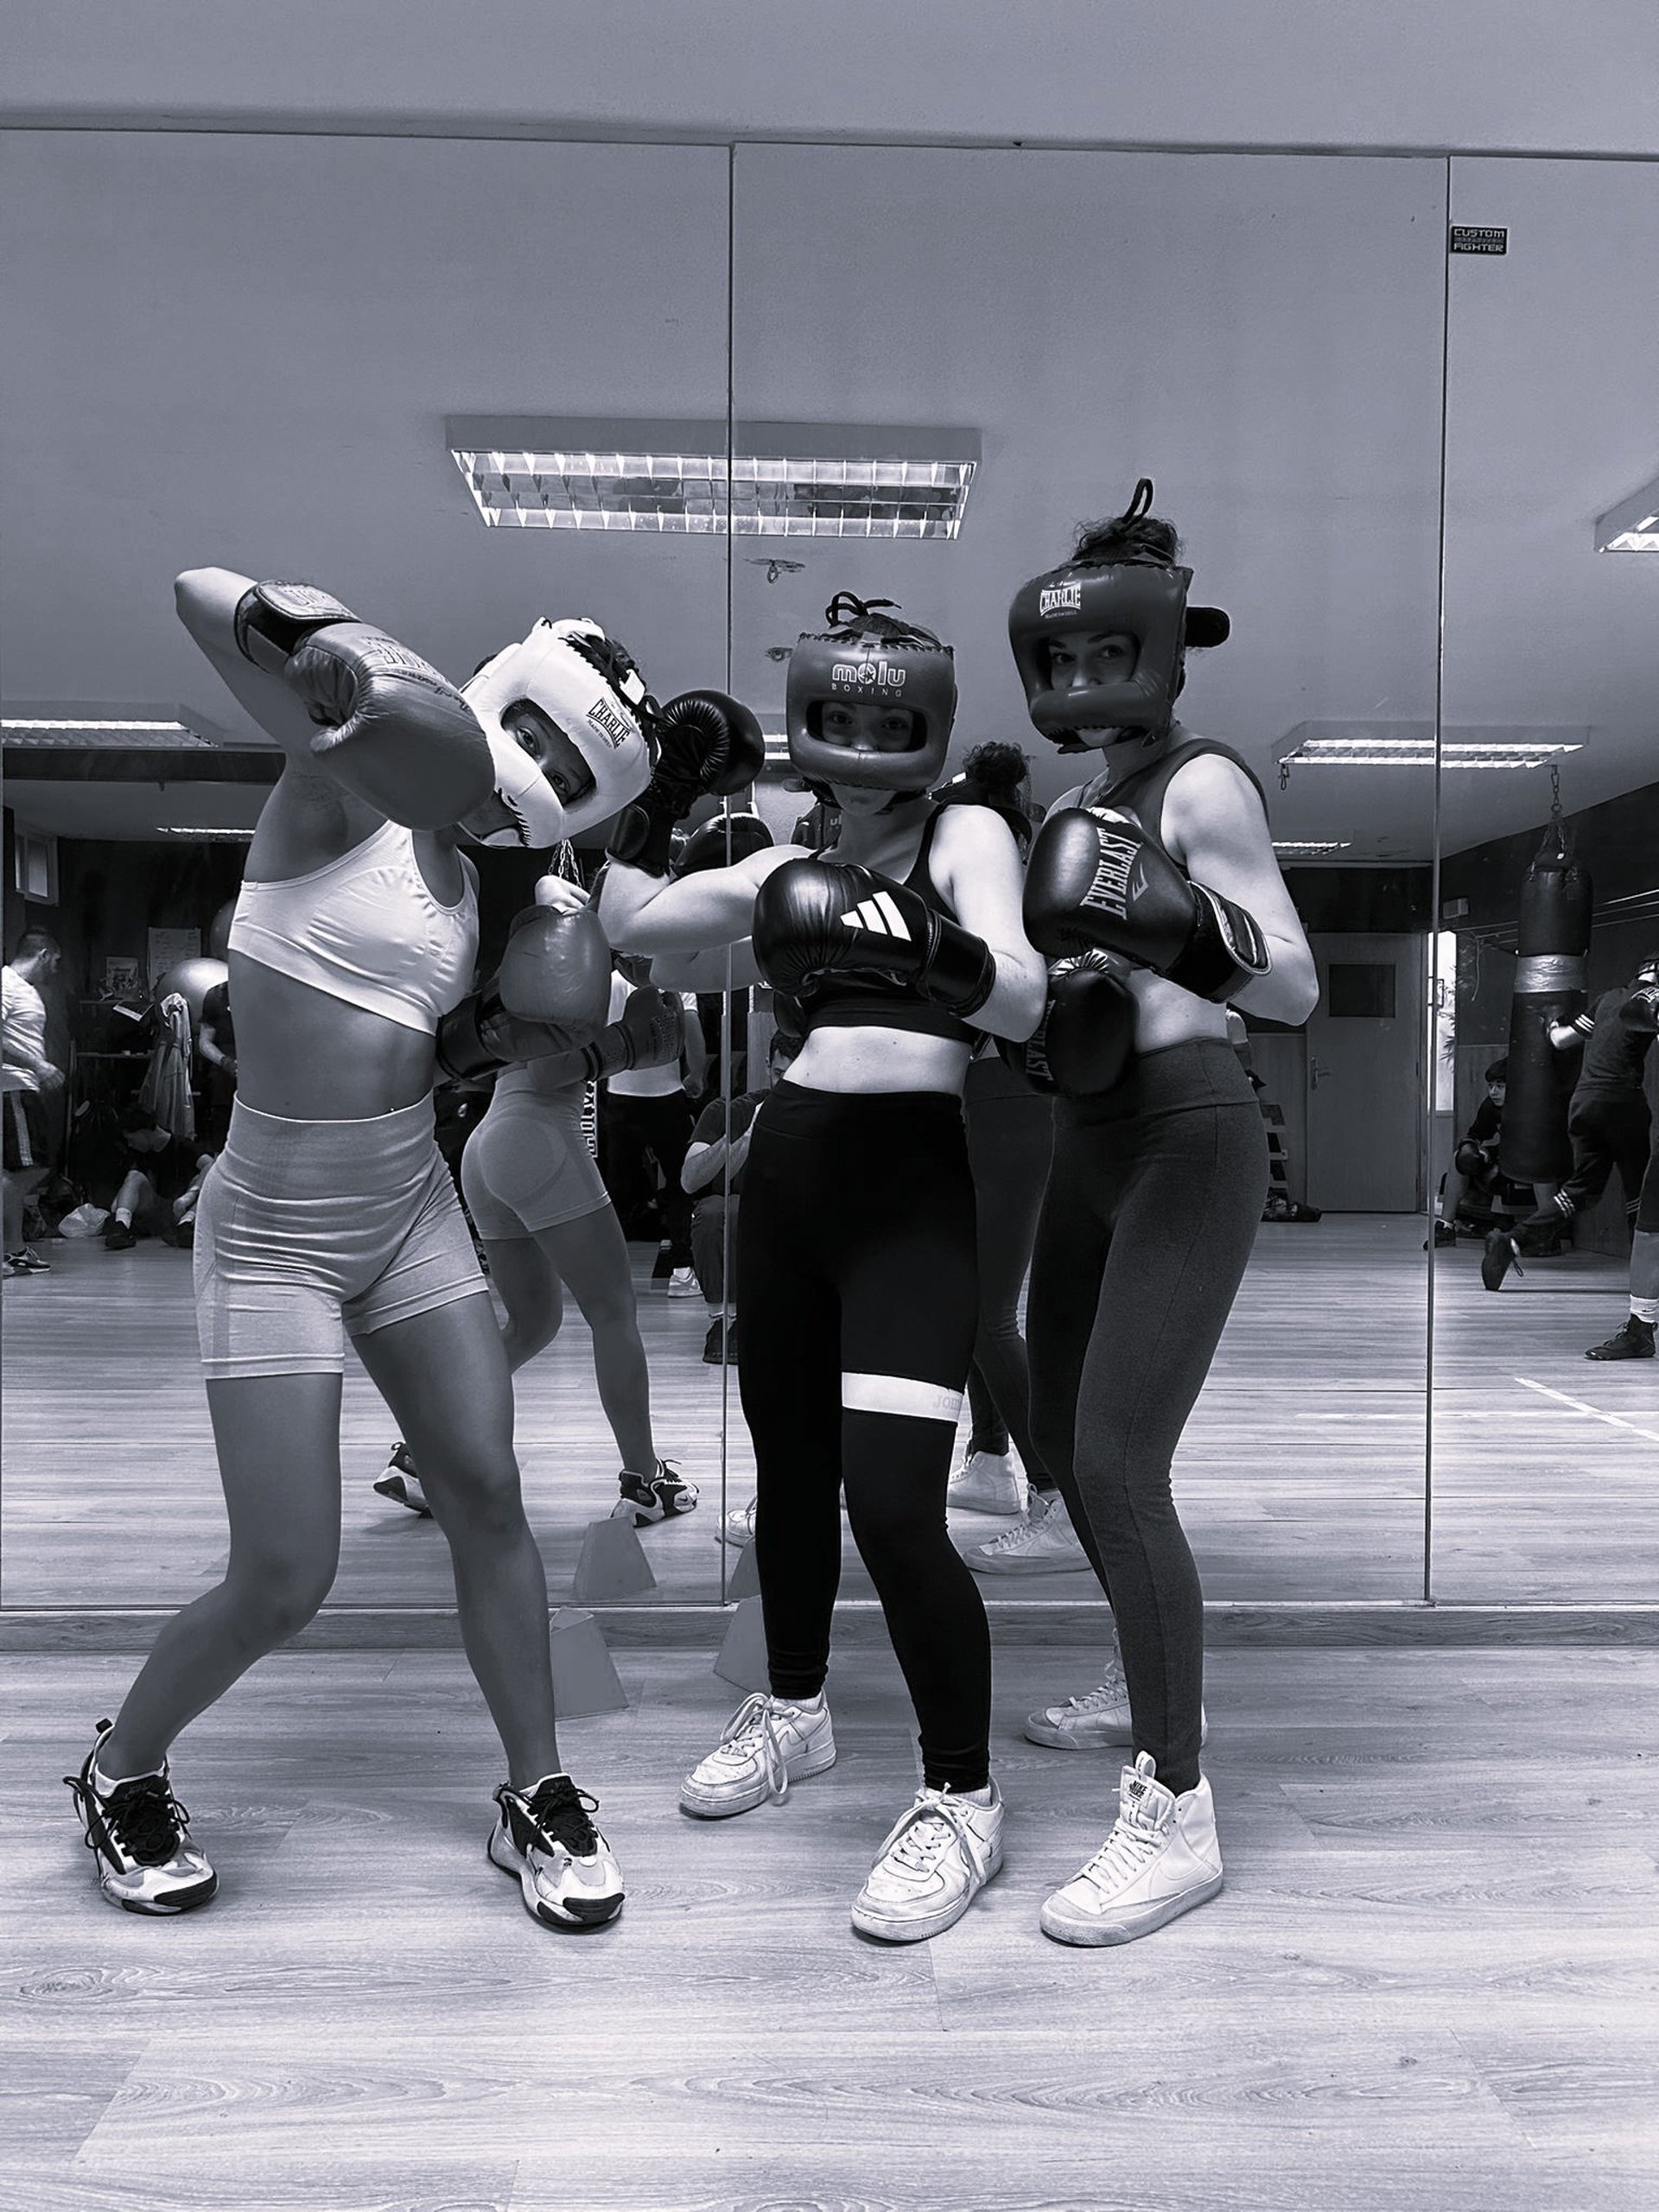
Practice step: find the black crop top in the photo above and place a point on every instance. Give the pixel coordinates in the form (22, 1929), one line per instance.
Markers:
(860, 998)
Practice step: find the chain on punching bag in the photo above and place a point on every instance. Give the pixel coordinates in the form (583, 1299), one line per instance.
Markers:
(1551, 947)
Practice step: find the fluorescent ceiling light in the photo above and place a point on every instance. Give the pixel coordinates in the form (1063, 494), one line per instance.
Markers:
(204, 836)
(1302, 848)
(1633, 525)
(776, 479)
(1412, 745)
(50, 733)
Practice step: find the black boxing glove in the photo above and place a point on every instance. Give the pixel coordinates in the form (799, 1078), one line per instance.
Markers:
(649, 1032)
(1097, 882)
(1086, 1037)
(706, 743)
(722, 842)
(1471, 1160)
(394, 732)
(813, 920)
(551, 993)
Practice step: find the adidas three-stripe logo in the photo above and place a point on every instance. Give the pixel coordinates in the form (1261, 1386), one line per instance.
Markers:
(879, 915)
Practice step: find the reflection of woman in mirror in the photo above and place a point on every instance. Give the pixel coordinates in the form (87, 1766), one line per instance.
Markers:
(330, 1212)
(856, 1260)
(1154, 889)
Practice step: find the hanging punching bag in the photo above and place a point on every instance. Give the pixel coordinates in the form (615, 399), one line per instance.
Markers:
(1551, 947)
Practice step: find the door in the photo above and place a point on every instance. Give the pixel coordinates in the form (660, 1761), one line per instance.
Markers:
(1365, 1047)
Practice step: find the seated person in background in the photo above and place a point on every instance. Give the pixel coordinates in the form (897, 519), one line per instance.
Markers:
(1475, 1188)
(216, 1043)
(713, 1174)
(160, 1180)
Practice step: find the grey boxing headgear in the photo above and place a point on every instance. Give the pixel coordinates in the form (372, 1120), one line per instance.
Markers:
(565, 712)
(866, 655)
(1143, 600)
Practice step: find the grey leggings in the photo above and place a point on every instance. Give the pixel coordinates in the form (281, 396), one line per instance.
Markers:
(1154, 1199)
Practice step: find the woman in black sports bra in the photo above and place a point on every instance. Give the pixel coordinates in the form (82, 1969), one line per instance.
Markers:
(855, 1262)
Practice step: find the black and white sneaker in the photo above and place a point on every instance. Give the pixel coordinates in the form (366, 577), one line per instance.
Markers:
(545, 1835)
(401, 1484)
(25, 1261)
(138, 1833)
(660, 1496)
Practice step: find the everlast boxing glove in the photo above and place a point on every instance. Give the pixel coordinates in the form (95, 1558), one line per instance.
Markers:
(706, 742)
(1097, 882)
(551, 993)
(1086, 1039)
(650, 1032)
(394, 732)
(813, 918)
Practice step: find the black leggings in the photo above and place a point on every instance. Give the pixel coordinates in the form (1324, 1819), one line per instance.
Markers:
(1609, 1129)
(855, 1252)
(1154, 1199)
(1010, 1136)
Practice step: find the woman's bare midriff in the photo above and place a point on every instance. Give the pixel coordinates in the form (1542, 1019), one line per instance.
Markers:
(309, 1058)
(876, 1059)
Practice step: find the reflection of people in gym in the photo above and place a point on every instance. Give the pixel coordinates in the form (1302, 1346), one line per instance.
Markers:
(546, 1220)
(216, 1043)
(713, 1174)
(161, 1185)
(855, 1252)
(1635, 1340)
(1475, 1173)
(1153, 890)
(27, 1080)
(645, 1124)
(330, 1211)
(1609, 1121)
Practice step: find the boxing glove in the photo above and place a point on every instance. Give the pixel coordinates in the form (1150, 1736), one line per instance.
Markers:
(394, 732)
(650, 1032)
(551, 994)
(706, 743)
(1086, 1037)
(720, 844)
(1096, 881)
(813, 920)
(1472, 1160)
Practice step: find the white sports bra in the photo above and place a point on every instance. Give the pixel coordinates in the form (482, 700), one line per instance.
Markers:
(367, 930)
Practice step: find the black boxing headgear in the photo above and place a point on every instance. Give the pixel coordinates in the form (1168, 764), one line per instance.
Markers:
(865, 654)
(1140, 597)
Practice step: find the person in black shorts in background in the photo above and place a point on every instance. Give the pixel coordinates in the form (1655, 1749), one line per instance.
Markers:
(161, 1176)
(216, 1044)
(713, 1174)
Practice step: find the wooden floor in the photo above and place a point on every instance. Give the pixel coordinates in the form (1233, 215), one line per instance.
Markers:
(1431, 1984)
(1301, 1475)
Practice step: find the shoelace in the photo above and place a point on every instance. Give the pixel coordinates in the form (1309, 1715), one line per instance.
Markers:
(753, 1728)
(560, 1810)
(933, 1823)
(142, 1817)
(1020, 1539)
(1113, 1691)
(1131, 1846)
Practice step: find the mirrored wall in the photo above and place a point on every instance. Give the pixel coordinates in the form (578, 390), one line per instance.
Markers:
(263, 353)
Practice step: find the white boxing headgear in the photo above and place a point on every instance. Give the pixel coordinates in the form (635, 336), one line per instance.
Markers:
(562, 710)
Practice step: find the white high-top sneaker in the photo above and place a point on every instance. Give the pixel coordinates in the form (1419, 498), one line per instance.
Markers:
(1044, 1543)
(768, 1743)
(938, 1856)
(1097, 1720)
(1161, 1859)
(988, 1483)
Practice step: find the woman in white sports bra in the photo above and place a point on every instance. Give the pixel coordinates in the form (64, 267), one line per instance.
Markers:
(331, 1212)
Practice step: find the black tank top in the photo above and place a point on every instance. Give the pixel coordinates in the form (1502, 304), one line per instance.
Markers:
(1142, 794)
(1617, 1054)
(860, 999)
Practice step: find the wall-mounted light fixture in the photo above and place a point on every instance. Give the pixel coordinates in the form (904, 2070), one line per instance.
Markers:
(773, 479)
(1412, 745)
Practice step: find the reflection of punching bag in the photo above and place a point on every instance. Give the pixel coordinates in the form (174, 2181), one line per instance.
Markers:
(1549, 986)
(219, 931)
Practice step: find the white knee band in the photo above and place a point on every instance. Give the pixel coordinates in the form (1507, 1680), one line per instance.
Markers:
(899, 1394)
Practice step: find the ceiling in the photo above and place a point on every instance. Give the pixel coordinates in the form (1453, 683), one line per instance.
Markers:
(240, 349)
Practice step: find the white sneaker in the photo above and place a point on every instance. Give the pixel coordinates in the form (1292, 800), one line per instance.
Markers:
(938, 1856)
(988, 1483)
(567, 1871)
(682, 1283)
(768, 1744)
(1161, 1859)
(738, 1527)
(1045, 1542)
(1096, 1721)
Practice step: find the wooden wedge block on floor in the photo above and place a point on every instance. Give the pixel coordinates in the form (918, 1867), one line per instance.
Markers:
(585, 1679)
(613, 1564)
(741, 1659)
(746, 1575)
